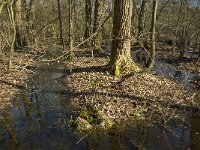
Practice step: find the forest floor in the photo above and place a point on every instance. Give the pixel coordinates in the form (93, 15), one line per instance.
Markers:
(134, 95)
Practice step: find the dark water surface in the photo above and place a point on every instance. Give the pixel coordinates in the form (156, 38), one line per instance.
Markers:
(40, 120)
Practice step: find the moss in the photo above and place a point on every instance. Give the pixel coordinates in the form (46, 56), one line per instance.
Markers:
(106, 123)
(84, 113)
(117, 71)
(81, 124)
(89, 117)
(90, 114)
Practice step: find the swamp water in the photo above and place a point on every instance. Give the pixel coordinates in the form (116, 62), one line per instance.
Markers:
(41, 115)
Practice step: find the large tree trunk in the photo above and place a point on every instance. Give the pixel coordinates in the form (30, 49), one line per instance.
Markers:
(97, 24)
(120, 54)
(88, 21)
(19, 41)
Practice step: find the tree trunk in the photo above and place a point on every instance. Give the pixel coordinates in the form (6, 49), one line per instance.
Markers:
(30, 17)
(1, 49)
(13, 24)
(88, 21)
(120, 53)
(153, 41)
(97, 24)
(183, 32)
(141, 22)
(60, 24)
(71, 36)
(19, 41)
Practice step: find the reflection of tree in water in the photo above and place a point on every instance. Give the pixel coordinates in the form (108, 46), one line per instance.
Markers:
(111, 139)
(32, 114)
(9, 126)
(93, 140)
(115, 138)
(195, 132)
(177, 75)
(38, 110)
(137, 132)
(27, 103)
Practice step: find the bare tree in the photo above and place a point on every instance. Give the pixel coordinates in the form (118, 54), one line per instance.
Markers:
(97, 24)
(141, 22)
(60, 24)
(19, 40)
(71, 39)
(88, 21)
(13, 24)
(1, 49)
(182, 31)
(153, 30)
(29, 7)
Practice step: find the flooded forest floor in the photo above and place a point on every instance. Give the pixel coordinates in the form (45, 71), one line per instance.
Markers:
(12, 82)
(147, 96)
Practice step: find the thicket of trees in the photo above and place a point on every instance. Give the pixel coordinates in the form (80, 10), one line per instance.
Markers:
(92, 23)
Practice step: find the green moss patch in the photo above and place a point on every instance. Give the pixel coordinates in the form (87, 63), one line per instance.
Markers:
(90, 118)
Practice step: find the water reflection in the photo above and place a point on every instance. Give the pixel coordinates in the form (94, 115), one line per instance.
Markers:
(195, 132)
(40, 118)
(169, 71)
(8, 138)
(191, 54)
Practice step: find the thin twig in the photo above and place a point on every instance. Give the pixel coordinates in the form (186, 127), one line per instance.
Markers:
(82, 138)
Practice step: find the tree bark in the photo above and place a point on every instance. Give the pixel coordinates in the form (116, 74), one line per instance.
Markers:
(141, 22)
(30, 17)
(60, 23)
(97, 24)
(19, 41)
(120, 54)
(182, 34)
(1, 49)
(153, 41)
(13, 24)
(88, 21)
(71, 36)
